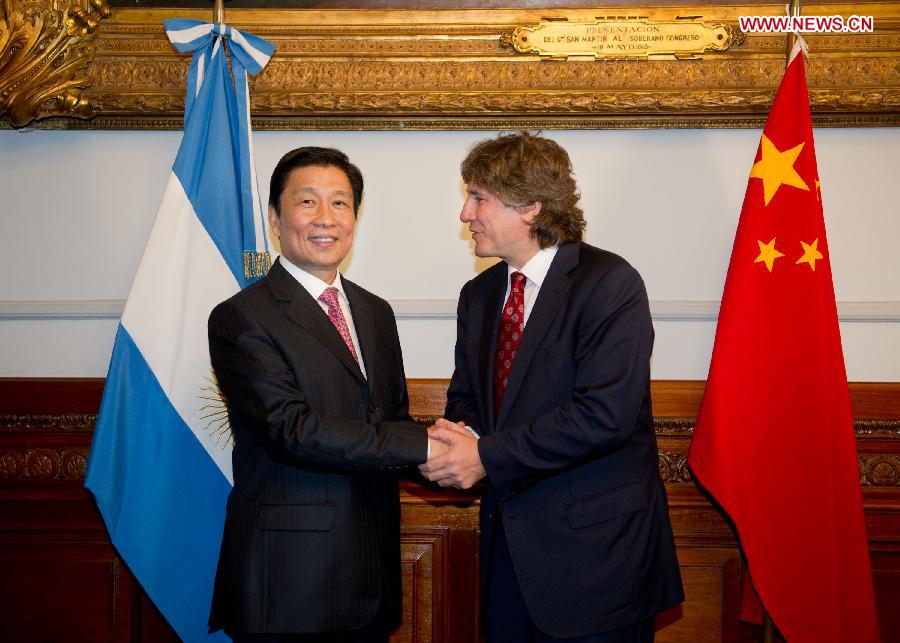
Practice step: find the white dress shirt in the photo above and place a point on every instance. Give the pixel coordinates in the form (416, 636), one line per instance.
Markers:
(535, 271)
(315, 287)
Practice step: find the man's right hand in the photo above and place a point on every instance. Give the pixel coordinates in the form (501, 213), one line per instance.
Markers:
(460, 464)
(438, 447)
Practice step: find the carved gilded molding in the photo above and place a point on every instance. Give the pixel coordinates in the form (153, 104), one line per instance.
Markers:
(424, 69)
(875, 469)
(69, 463)
(23, 463)
(673, 467)
(43, 464)
(674, 426)
(881, 470)
(865, 429)
(46, 47)
(666, 427)
(76, 422)
(423, 84)
(877, 428)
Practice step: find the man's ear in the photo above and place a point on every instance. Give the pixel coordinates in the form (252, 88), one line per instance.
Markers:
(529, 212)
(274, 222)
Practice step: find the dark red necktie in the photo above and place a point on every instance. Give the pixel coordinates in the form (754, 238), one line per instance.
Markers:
(512, 323)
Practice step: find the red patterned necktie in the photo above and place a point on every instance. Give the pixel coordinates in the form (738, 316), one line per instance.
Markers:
(330, 298)
(512, 323)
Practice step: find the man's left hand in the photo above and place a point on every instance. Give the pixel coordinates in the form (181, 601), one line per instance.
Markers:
(461, 465)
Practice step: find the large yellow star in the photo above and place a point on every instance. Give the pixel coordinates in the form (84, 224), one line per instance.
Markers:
(776, 168)
(768, 254)
(811, 254)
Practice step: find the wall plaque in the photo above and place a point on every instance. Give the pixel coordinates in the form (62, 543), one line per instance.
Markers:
(624, 38)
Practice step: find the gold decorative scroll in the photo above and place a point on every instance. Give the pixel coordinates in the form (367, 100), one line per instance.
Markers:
(383, 69)
(612, 39)
(45, 49)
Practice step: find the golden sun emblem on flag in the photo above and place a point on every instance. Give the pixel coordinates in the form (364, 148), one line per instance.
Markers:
(215, 412)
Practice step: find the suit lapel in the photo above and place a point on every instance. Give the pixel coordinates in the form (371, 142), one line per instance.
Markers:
(305, 311)
(486, 315)
(364, 323)
(549, 302)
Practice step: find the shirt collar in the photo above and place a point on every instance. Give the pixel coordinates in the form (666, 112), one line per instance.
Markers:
(536, 268)
(313, 285)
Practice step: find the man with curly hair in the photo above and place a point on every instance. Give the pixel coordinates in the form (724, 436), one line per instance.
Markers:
(553, 373)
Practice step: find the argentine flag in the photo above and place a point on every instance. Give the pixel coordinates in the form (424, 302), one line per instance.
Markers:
(160, 463)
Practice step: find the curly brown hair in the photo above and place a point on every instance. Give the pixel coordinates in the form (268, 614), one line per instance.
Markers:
(524, 168)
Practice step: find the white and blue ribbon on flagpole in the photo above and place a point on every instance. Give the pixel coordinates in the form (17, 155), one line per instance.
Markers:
(249, 55)
(160, 462)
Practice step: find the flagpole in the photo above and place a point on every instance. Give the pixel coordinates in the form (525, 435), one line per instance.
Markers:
(793, 10)
(770, 633)
(219, 12)
(768, 628)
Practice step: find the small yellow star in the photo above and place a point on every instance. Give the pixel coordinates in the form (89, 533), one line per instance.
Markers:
(768, 254)
(811, 254)
(776, 168)
(818, 190)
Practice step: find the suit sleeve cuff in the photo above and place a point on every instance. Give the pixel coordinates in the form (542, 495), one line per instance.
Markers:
(491, 452)
(408, 445)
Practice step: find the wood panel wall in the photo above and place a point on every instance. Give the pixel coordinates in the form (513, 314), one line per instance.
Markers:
(61, 580)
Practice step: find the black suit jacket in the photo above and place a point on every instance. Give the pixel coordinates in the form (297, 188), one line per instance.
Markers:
(571, 459)
(311, 540)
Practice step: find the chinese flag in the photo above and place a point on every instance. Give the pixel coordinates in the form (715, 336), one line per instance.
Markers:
(774, 441)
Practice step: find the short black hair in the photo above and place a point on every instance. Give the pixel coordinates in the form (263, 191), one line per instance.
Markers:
(321, 156)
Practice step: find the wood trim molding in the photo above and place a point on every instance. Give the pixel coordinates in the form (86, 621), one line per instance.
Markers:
(84, 423)
(455, 69)
(46, 400)
(430, 309)
(46, 426)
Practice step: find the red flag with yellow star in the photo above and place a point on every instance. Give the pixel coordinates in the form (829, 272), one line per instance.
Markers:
(774, 441)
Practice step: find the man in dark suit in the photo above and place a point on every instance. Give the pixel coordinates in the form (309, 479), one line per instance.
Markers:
(553, 371)
(311, 369)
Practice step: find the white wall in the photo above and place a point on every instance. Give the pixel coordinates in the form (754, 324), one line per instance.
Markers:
(77, 206)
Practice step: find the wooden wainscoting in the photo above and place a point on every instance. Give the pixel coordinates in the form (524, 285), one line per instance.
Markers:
(61, 580)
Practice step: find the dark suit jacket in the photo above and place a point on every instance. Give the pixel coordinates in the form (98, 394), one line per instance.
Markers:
(311, 539)
(571, 459)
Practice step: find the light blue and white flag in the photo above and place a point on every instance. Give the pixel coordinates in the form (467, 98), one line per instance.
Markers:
(160, 463)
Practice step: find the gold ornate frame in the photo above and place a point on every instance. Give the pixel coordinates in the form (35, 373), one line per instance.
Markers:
(65, 65)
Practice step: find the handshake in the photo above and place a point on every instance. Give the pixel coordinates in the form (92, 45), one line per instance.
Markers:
(453, 456)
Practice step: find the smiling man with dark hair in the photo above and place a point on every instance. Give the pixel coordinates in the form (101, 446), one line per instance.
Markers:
(311, 368)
